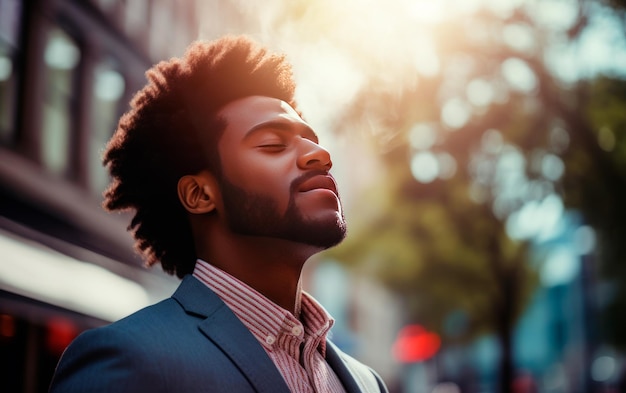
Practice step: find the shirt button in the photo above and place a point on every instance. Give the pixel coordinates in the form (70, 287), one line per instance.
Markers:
(296, 330)
(270, 340)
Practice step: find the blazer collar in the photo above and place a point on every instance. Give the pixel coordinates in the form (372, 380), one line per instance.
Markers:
(227, 332)
(339, 367)
(220, 325)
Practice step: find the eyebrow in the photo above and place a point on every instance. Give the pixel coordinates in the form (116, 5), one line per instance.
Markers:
(283, 126)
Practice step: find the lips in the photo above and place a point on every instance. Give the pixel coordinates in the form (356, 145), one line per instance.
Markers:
(324, 182)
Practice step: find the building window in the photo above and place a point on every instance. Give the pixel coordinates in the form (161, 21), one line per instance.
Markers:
(62, 57)
(10, 17)
(109, 87)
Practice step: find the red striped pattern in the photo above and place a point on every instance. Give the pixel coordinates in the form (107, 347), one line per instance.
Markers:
(296, 348)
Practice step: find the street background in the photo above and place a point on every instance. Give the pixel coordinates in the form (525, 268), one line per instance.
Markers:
(479, 146)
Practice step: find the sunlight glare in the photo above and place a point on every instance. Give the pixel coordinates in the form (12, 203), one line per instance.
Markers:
(426, 59)
(465, 6)
(422, 136)
(562, 61)
(455, 113)
(602, 48)
(519, 37)
(427, 11)
(425, 167)
(541, 220)
(480, 92)
(504, 9)
(519, 75)
(556, 14)
(329, 86)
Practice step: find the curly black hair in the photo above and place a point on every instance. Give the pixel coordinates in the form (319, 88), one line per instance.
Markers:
(172, 130)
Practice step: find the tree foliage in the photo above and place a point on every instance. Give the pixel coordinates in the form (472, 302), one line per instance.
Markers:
(442, 244)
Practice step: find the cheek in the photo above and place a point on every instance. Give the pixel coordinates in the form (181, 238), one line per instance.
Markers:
(259, 171)
(268, 181)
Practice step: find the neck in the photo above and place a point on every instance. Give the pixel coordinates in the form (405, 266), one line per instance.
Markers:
(271, 266)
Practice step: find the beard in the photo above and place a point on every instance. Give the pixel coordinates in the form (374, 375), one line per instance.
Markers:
(257, 215)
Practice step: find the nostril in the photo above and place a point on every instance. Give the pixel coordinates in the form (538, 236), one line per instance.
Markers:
(314, 156)
(319, 163)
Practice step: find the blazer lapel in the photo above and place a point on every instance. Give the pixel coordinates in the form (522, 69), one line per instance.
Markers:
(223, 327)
(340, 368)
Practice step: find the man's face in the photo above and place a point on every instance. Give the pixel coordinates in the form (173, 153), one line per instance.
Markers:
(274, 176)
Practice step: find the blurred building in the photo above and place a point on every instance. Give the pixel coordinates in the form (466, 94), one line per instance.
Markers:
(68, 69)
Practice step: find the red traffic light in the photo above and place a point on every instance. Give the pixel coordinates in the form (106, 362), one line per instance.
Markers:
(415, 344)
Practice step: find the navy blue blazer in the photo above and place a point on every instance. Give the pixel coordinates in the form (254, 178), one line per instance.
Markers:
(191, 342)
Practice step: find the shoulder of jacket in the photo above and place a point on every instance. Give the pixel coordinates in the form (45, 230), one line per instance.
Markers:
(367, 379)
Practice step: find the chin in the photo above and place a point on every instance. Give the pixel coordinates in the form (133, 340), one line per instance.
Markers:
(323, 236)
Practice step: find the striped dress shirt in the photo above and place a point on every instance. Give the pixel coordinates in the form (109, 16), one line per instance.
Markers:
(297, 346)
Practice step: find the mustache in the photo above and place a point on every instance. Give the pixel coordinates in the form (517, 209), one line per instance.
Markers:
(297, 182)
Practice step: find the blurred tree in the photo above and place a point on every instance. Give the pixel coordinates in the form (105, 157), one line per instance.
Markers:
(516, 133)
(494, 114)
(448, 258)
(595, 184)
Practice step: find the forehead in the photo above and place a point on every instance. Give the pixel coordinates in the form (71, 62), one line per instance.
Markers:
(246, 113)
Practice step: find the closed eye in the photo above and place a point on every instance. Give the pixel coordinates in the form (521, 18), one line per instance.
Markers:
(273, 147)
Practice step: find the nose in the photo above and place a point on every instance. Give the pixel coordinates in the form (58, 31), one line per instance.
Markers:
(313, 156)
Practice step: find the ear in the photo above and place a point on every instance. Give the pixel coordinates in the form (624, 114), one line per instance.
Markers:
(197, 193)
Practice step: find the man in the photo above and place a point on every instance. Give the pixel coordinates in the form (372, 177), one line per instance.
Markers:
(232, 193)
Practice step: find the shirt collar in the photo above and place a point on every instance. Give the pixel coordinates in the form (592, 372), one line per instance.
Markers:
(265, 319)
